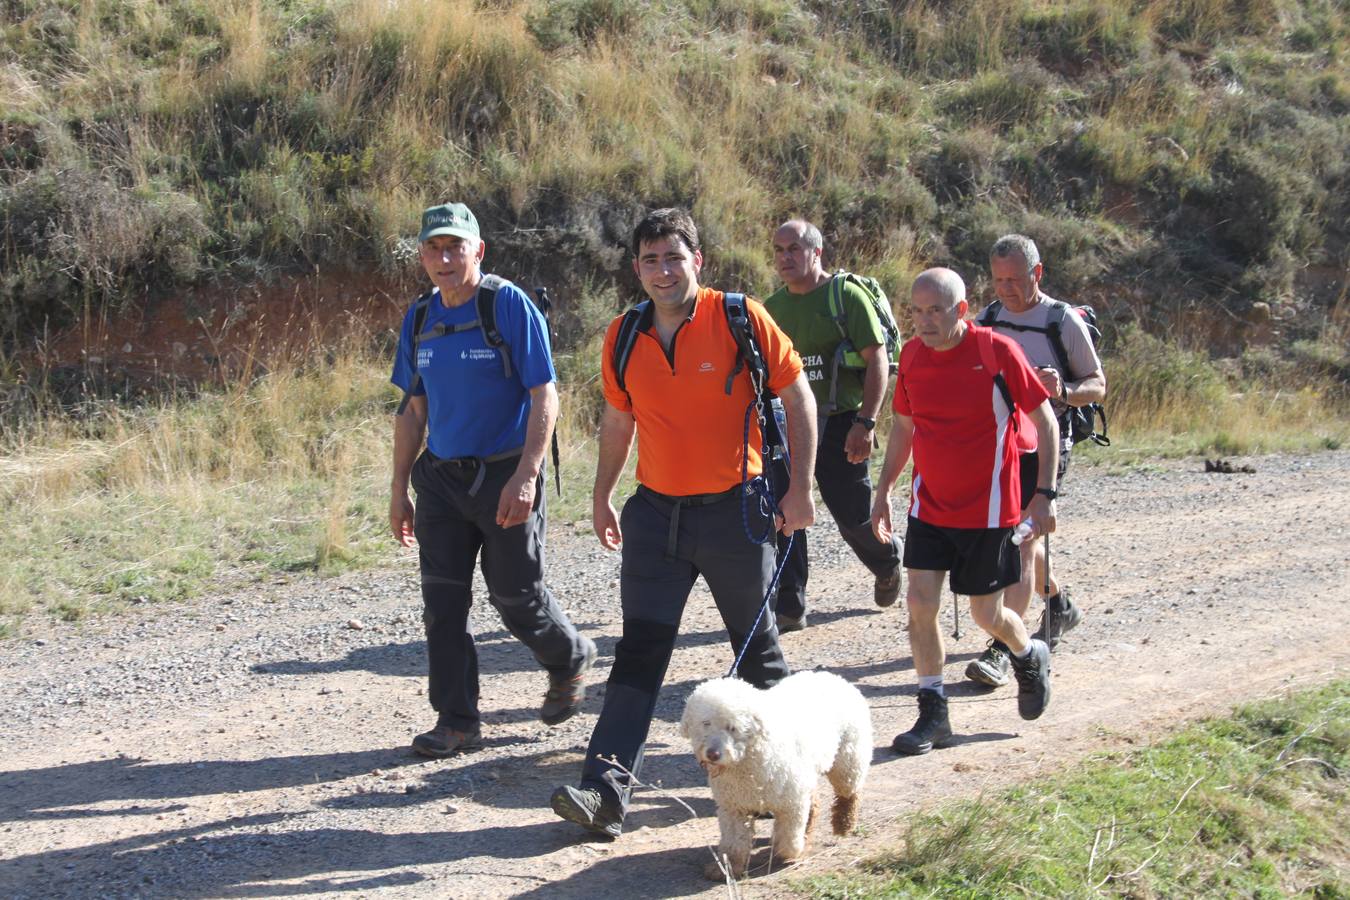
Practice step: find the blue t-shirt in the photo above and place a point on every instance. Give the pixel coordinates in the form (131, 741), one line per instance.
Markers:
(472, 408)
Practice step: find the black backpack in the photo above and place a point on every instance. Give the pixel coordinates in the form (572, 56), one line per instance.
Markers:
(748, 358)
(486, 303)
(1078, 423)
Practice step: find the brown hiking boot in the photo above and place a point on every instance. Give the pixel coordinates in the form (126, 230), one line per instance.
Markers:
(887, 588)
(565, 694)
(443, 741)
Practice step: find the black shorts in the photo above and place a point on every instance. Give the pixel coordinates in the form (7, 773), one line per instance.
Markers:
(980, 560)
(1030, 469)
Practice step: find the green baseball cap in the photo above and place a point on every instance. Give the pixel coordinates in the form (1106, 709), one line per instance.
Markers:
(449, 218)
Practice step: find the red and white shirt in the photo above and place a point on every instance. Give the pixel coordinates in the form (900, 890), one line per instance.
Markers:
(965, 436)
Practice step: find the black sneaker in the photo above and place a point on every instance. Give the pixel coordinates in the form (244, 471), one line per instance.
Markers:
(1033, 680)
(887, 588)
(991, 669)
(1060, 617)
(564, 695)
(932, 729)
(587, 807)
(443, 741)
(787, 624)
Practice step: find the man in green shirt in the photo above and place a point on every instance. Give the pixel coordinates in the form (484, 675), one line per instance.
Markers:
(801, 308)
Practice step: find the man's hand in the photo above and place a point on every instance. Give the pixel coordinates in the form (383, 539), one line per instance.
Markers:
(881, 518)
(858, 444)
(1041, 512)
(1050, 379)
(401, 518)
(605, 521)
(798, 509)
(517, 499)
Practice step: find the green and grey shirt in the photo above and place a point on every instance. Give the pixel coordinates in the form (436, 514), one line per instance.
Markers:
(806, 319)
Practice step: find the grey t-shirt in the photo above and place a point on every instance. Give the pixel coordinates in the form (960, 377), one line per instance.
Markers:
(1083, 359)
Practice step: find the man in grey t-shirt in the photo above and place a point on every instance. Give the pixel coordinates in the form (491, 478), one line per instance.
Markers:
(1024, 313)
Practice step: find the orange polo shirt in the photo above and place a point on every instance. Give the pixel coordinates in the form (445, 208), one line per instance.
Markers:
(690, 432)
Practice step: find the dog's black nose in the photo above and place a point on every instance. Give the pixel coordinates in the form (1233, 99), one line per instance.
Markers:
(713, 756)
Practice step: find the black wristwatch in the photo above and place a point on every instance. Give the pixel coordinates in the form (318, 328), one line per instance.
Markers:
(869, 424)
(1048, 492)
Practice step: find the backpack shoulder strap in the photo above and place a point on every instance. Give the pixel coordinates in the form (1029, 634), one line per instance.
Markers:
(989, 315)
(748, 355)
(624, 341)
(1054, 332)
(420, 308)
(984, 342)
(836, 302)
(486, 302)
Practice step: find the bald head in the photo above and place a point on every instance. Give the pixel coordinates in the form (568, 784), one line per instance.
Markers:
(944, 284)
(937, 301)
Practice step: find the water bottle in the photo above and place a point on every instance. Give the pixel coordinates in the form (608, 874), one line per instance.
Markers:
(1021, 533)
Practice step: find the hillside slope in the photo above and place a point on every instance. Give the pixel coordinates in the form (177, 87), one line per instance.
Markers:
(1167, 156)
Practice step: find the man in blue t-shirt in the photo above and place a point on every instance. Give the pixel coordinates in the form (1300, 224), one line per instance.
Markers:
(487, 410)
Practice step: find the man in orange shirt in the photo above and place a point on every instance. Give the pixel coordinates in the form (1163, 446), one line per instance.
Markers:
(690, 515)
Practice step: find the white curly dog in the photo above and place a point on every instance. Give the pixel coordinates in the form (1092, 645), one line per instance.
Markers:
(764, 752)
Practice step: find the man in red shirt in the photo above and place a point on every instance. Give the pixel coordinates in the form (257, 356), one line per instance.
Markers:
(962, 396)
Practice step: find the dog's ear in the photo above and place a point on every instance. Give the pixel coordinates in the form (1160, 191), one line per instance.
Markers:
(751, 724)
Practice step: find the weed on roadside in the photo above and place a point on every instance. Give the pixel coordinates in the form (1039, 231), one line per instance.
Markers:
(1239, 806)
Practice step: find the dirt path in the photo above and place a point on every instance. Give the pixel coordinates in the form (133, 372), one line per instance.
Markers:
(254, 744)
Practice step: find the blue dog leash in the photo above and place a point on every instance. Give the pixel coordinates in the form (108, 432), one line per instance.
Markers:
(763, 490)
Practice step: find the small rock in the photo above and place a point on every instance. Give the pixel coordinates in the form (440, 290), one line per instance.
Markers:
(39, 643)
(411, 788)
(355, 624)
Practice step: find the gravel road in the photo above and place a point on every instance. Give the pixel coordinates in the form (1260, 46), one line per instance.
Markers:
(254, 743)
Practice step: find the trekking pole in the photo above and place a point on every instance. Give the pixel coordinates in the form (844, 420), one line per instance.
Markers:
(1047, 566)
(956, 615)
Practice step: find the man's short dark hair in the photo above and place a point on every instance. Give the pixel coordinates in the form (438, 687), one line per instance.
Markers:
(662, 223)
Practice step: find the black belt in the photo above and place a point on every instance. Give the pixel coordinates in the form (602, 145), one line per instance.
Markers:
(475, 462)
(676, 502)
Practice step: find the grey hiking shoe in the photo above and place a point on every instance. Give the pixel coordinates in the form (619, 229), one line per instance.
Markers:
(587, 807)
(1033, 680)
(887, 588)
(991, 669)
(565, 694)
(1059, 618)
(443, 741)
(787, 624)
(932, 729)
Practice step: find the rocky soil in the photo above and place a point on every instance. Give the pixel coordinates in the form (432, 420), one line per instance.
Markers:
(255, 743)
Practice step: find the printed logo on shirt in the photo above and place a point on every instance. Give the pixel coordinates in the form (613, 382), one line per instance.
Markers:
(705, 367)
(423, 357)
(478, 353)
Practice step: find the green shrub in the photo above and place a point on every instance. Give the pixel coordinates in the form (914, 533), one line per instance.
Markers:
(1091, 32)
(563, 23)
(71, 234)
(1153, 380)
(1021, 94)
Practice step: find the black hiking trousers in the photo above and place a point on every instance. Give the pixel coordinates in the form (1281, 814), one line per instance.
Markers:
(452, 528)
(846, 489)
